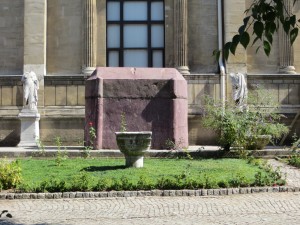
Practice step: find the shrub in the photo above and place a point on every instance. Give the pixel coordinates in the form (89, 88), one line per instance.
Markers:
(144, 183)
(235, 126)
(10, 174)
(103, 185)
(52, 185)
(81, 182)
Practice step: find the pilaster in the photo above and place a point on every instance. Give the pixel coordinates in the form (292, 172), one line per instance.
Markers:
(90, 21)
(181, 37)
(286, 51)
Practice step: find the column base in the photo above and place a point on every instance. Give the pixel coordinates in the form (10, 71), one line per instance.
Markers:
(184, 70)
(88, 70)
(287, 70)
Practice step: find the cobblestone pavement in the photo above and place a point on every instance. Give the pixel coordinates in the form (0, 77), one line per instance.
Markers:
(258, 208)
(261, 208)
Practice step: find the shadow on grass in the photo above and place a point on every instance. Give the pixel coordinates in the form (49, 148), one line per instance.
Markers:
(102, 168)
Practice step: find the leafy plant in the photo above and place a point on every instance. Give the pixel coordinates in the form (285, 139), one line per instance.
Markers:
(52, 185)
(10, 174)
(86, 153)
(60, 155)
(265, 17)
(102, 185)
(144, 183)
(81, 182)
(123, 122)
(178, 146)
(241, 128)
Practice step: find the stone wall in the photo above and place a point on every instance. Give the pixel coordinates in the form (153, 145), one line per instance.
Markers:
(64, 36)
(202, 36)
(11, 37)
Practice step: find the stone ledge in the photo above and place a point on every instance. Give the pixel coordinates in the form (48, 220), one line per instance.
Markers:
(147, 193)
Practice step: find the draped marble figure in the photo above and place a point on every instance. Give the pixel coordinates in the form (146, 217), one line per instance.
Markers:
(239, 89)
(30, 88)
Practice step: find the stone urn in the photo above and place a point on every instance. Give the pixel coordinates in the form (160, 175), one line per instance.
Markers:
(258, 142)
(134, 145)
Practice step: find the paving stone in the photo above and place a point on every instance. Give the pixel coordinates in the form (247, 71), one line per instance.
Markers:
(112, 194)
(157, 192)
(72, 195)
(204, 192)
(57, 195)
(216, 191)
(120, 193)
(18, 196)
(33, 195)
(103, 194)
(2, 196)
(210, 192)
(198, 192)
(85, 194)
(49, 195)
(223, 191)
(10, 196)
(79, 194)
(172, 192)
(41, 195)
(66, 194)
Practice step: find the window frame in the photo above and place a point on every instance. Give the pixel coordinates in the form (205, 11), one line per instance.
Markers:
(121, 23)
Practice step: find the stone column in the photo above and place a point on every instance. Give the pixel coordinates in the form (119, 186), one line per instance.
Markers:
(286, 52)
(89, 51)
(180, 37)
(35, 37)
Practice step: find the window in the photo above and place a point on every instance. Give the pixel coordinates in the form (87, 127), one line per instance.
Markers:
(135, 33)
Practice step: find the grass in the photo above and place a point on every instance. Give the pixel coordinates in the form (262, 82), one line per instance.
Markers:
(37, 170)
(111, 174)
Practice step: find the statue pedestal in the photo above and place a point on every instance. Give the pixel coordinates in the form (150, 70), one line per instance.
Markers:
(29, 128)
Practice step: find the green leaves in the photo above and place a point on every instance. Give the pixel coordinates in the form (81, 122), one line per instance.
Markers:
(264, 17)
(258, 29)
(293, 35)
(267, 48)
(245, 39)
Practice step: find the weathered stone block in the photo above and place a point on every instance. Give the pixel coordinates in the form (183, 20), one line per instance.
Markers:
(152, 99)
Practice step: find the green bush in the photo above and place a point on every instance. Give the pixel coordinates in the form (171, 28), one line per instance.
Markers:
(10, 174)
(237, 127)
(81, 182)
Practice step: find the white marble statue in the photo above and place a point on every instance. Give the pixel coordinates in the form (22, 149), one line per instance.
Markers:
(239, 89)
(30, 88)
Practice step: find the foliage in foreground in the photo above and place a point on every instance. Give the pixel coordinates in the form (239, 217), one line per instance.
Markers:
(235, 126)
(142, 179)
(10, 174)
(294, 159)
(265, 17)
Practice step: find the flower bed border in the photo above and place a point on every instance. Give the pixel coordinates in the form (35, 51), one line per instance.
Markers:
(170, 193)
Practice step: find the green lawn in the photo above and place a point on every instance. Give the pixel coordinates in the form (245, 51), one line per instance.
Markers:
(111, 174)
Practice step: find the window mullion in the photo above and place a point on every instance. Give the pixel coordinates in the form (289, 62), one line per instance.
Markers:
(150, 64)
(121, 52)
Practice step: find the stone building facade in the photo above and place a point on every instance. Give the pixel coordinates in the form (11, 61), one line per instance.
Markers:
(64, 40)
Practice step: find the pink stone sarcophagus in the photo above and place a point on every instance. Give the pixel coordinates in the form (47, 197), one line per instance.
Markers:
(152, 99)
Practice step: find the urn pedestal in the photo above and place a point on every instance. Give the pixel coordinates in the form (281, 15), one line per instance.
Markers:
(134, 146)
